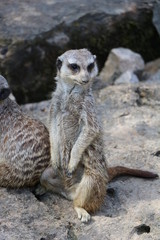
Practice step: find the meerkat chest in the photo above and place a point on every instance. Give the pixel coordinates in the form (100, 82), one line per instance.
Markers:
(67, 118)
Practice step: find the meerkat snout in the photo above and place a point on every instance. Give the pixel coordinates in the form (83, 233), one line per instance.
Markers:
(4, 88)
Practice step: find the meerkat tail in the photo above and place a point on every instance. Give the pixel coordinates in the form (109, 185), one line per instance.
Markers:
(119, 171)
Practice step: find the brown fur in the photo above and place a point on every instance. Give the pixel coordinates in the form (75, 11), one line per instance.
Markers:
(24, 145)
(95, 192)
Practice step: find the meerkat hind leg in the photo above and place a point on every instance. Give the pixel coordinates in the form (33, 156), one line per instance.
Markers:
(82, 196)
(89, 195)
(51, 181)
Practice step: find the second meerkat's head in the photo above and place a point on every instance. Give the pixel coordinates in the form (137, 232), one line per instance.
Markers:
(4, 88)
(77, 67)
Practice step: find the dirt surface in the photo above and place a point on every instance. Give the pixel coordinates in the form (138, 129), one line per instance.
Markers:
(131, 211)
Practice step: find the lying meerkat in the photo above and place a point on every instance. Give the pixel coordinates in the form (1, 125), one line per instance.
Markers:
(24, 144)
(79, 169)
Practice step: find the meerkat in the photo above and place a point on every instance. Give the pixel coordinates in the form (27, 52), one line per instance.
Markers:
(24, 144)
(79, 169)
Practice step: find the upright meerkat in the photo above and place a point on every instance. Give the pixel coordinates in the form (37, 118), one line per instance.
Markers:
(24, 144)
(79, 169)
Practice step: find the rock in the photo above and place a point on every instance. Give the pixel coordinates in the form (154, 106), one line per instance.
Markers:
(156, 16)
(148, 94)
(34, 33)
(154, 78)
(38, 109)
(127, 77)
(29, 218)
(119, 61)
(151, 69)
(130, 115)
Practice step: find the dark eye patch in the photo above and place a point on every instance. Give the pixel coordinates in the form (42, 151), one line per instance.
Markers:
(74, 67)
(90, 67)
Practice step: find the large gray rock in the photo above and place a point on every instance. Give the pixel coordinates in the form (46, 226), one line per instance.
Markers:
(33, 33)
(131, 210)
(121, 61)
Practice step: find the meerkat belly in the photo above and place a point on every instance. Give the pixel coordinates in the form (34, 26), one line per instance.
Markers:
(68, 128)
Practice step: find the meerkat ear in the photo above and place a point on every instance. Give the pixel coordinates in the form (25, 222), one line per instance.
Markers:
(59, 63)
(95, 57)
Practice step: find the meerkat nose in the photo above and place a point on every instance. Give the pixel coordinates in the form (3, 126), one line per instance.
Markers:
(85, 80)
(4, 93)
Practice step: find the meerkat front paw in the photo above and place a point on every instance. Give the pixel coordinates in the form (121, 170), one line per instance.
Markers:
(71, 168)
(69, 172)
(72, 164)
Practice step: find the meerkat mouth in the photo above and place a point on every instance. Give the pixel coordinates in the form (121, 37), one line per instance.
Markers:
(78, 83)
(84, 83)
(81, 83)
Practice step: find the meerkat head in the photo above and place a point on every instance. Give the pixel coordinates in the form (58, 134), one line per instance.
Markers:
(77, 67)
(4, 88)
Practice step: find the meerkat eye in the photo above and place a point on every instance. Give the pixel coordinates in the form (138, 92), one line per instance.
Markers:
(90, 67)
(74, 67)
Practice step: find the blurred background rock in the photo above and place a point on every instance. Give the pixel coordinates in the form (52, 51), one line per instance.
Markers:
(34, 32)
